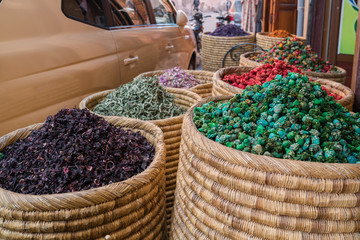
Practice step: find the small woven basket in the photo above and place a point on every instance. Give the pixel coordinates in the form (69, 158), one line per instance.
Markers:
(171, 128)
(267, 42)
(339, 77)
(246, 62)
(214, 49)
(130, 209)
(223, 193)
(222, 88)
(203, 89)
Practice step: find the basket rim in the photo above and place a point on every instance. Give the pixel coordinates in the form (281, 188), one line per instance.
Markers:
(251, 35)
(130, 185)
(265, 35)
(188, 119)
(341, 73)
(219, 74)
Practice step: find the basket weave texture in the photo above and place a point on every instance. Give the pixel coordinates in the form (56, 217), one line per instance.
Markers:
(267, 42)
(246, 62)
(203, 89)
(130, 209)
(223, 193)
(171, 127)
(222, 88)
(214, 49)
(339, 77)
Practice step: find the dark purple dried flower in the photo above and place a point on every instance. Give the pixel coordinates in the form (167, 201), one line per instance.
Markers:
(230, 30)
(74, 150)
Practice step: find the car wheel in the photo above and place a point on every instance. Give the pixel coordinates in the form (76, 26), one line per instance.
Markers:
(192, 64)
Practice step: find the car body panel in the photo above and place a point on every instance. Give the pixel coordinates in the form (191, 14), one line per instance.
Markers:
(51, 61)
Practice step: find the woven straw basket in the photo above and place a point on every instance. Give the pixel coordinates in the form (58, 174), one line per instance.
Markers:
(246, 62)
(222, 88)
(339, 77)
(223, 193)
(131, 209)
(267, 42)
(171, 128)
(203, 89)
(214, 49)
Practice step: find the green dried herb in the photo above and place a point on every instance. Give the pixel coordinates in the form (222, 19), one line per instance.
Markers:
(143, 98)
(289, 117)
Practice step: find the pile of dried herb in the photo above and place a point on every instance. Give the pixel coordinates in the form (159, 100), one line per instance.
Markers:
(177, 78)
(289, 117)
(280, 33)
(259, 75)
(143, 98)
(266, 73)
(74, 150)
(296, 53)
(229, 30)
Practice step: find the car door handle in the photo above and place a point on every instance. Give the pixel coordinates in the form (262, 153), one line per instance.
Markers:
(128, 61)
(168, 47)
(186, 37)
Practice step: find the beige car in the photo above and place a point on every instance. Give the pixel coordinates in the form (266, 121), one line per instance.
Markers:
(53, 53)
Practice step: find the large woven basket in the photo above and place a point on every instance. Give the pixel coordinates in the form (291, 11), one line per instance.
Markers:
(171, 128)
(223, 193)
(339, 77)
(222, 88)
(267, 42)
(131, 209)
(203, 89)
(214, 49)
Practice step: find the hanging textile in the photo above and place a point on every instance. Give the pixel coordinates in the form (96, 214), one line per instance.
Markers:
(259, 16)
(248, 15)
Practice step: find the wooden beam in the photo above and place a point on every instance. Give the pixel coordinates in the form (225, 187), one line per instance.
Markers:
(334, 33)
(317, 28)
(355, 80)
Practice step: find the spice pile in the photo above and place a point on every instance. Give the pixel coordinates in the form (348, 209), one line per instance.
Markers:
(331, 94)
(280, 34)
(229, 30)
(74, 150)
(177, 78)
(266, 73)
(289, 117)
(296, 53)
(259, 75)
(143, 98)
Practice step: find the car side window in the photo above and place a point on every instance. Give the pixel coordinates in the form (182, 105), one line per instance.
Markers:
(88, 11)
(129, 12)
(162, 11)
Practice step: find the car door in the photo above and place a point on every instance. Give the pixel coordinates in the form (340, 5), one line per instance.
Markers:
(136, 41)
(52, 55)
(179, 43)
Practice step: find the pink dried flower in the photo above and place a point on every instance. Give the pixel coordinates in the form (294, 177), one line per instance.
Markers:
(177, 78)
